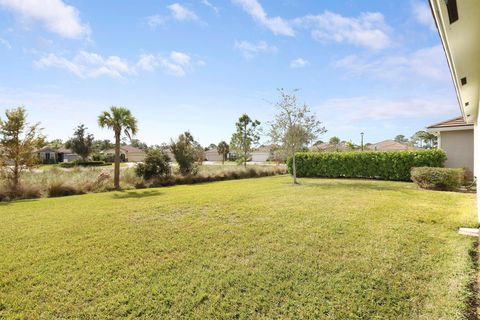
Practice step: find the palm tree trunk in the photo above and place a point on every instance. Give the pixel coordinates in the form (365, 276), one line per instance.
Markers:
(116, 172)
(294, 167)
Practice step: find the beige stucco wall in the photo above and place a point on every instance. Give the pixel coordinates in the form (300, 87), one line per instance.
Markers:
(136, 157)
(459, 148)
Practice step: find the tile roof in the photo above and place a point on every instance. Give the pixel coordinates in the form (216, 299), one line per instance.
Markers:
(455, 122)
(388, 145)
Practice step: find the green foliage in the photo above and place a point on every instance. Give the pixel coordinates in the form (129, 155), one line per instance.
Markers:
(246, 136)
(185, 150)
(156, 165)
(223, 149)
(438, 178)
(81, 143)
(18, 141)
(389, 165)
(121, 121)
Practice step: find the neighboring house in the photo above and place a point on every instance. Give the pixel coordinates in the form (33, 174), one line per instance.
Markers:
(128, 154)
(390, 145)
(262, 154)
(328, 147)
(213, 155)
(455, 137)
(50, 155)
(459, 29)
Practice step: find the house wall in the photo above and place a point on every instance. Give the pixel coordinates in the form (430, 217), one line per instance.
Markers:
(136, 157)
(260, 156)
(476, 144)
(213, 156)
(459, 146)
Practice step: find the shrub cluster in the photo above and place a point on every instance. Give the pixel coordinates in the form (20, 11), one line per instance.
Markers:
(156, 165)
(387, 165)
(84, 164)
(438, 178)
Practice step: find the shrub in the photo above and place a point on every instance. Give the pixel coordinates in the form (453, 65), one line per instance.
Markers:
(185, 151)
(438, 178)
(59, 189)
(84, 164)
(388, 165)
(156, 165)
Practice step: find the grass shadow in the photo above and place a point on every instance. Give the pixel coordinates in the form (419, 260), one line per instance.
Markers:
(136, 194)
(357, 184)
(472, 303)
(6, 203)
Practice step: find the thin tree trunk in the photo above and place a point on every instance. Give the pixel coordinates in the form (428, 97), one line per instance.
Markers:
(116, 172)
(294, 167)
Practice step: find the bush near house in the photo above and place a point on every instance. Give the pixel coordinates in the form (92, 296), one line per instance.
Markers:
(438, 178)
(389, 165)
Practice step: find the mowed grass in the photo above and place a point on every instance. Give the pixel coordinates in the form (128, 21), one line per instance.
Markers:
(255, 248)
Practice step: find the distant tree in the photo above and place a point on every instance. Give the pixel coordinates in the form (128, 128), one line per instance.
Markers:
(120, 120)
(156, 164)
(102, 145)
(223, 149)
(247, 135)
(211, 146)
(401, 138)
(318, 142)
(424, 139)
(81, 143)
(350, 146)
(185, 152)
(334, 141)
(294, 126)
(138, 144)
(56, 143)
(18, 141)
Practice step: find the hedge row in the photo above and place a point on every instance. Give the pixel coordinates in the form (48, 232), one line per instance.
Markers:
(388, 165)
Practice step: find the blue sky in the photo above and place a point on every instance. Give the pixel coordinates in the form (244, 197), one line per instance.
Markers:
(371, 66)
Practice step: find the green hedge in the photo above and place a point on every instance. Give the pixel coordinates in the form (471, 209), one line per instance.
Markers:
(84, 164)
(438, 178)
(387, 165)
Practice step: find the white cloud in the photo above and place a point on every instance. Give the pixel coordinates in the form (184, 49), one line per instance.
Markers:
(276, 24)
(155, 20)
(368, 30)
(211, 6)
(92, 65)
(250, 50)
(88, 65)
(5, 43)
(299, 63)
(55, 15)
(427, 63)
(423, 14)
(182, 13)
(364, 108)
(175, 64)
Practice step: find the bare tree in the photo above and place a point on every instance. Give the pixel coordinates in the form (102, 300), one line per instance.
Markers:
(294, 126)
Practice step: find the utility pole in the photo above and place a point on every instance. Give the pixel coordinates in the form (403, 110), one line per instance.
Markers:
(361, 143)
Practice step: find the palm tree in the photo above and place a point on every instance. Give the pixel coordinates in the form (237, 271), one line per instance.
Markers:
(119, 119)
(223, 149)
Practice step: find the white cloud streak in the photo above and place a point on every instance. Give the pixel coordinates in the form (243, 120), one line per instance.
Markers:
(182, 13)
(276, 24)
(423, 14)
(427, 63)
(299, 63)
(211, 6)
(55, 15)
(250, 50)
(87, 65)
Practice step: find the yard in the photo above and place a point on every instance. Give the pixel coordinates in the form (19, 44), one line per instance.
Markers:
(255, 248)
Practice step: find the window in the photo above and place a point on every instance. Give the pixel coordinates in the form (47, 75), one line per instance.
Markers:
(452, 10)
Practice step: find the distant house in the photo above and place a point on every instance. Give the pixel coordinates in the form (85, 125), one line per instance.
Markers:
(50, 155)
(455, 137)
(390, 145)
(213, 155)
(128, 154)
(328, 147)
(262, 154)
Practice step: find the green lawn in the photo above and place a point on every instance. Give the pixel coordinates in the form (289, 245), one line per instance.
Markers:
(255, 248)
